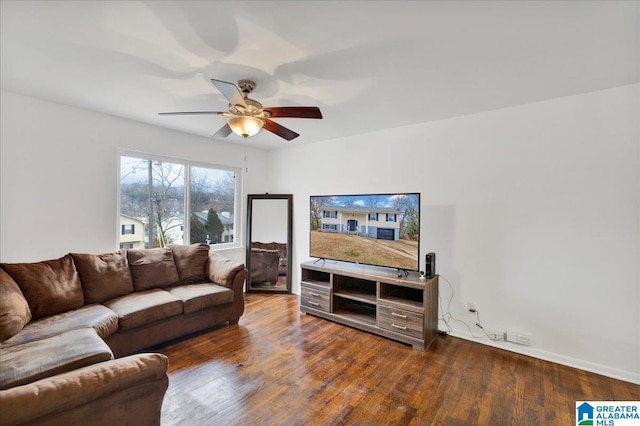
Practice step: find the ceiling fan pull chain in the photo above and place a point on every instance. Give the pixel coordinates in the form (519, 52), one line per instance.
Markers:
(246, 167)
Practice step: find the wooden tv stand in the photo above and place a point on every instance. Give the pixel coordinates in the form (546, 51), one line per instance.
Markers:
(372, 299)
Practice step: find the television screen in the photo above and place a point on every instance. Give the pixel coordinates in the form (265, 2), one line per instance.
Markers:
(372, 229)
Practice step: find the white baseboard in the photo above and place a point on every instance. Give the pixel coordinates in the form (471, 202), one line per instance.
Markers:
(605, 370)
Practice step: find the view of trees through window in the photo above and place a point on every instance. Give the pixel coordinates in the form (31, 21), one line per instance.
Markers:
(153, 207)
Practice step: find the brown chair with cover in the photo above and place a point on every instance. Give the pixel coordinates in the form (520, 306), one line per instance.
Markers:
(264, 266)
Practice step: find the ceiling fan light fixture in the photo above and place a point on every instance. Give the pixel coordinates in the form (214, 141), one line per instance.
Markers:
(246, 117)
(245, 125)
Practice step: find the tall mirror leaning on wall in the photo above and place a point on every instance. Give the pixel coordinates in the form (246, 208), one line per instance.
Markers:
(268, 245)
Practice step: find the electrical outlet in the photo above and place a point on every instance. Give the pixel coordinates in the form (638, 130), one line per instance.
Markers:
(471, 307)
(519, 338)
(496, 335)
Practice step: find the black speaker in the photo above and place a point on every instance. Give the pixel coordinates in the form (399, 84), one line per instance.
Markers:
(430, 265)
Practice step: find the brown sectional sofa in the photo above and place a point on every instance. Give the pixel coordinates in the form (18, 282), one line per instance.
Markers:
(69, 325)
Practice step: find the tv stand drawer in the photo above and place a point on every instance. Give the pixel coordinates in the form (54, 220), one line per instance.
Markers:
(401, 321)
(315, 298)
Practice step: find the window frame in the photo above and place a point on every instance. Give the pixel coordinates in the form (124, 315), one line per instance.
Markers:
(330, 227)
(330, 214)
(187, 164)
(124, 229)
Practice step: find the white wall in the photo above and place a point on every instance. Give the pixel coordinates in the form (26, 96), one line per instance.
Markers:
(58, 175)
(533, 213)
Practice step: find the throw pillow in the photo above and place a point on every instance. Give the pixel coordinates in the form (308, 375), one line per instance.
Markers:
(152, 268)
(191, 262)
(103, 276)
(50, 287)
(14, 309)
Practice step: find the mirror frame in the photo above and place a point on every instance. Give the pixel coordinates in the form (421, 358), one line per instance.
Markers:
(250, 199)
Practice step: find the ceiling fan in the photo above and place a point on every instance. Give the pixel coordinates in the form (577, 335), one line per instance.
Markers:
(246, 116)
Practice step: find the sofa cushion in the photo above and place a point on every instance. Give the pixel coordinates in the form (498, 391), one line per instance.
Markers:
(222, 270)
(45, 358)
(144, 307)
(152, 268)
(14, 309)
(50, 287)
(196, 297)
(103, 276)
(102, 319)
(191, 262)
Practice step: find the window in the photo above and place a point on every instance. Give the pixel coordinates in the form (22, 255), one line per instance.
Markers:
(329, 227)
(330, 214)
(128, 229)
(373, 216)
(176, 202)
(212, 205)
(391, 217)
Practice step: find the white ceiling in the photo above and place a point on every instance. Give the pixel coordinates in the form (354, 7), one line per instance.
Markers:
(368, 65)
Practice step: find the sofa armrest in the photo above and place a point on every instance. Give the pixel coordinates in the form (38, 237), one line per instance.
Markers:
(223, 271)
(238, 282)
(227, 273)
(130, 388)
(238, 296)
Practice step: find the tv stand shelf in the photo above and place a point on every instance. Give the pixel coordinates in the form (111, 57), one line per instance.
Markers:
(372, 299)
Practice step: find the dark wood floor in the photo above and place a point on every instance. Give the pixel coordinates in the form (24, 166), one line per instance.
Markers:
(280, 367)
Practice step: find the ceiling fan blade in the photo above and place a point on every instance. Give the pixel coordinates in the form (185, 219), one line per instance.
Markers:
(279, 130)
(192, 113)
(223, 132)
(295, 112)
(230, 91)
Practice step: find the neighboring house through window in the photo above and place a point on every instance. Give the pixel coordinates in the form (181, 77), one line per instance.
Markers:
(131, 232)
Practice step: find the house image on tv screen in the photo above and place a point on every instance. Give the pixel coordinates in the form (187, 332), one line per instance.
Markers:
(371, 229)
(374, 222)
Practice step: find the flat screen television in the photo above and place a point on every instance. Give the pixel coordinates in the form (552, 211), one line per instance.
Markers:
(371, 229)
